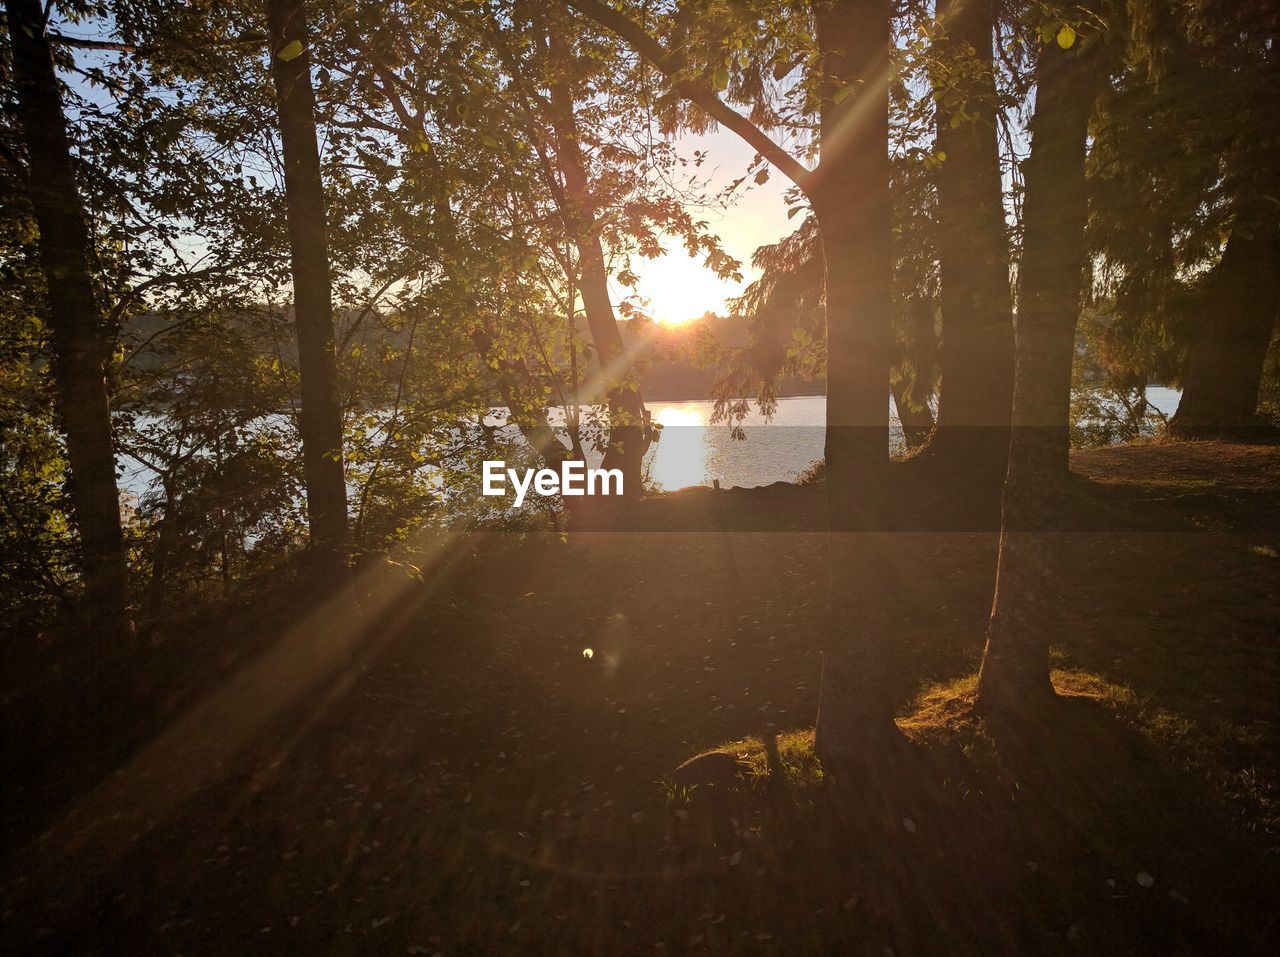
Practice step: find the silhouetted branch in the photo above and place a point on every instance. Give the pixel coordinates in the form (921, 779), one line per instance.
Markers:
(693, 90)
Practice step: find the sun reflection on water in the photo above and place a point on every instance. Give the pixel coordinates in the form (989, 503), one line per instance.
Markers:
(681, 456)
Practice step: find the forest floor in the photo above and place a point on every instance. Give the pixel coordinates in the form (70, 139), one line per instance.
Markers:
(433, 765)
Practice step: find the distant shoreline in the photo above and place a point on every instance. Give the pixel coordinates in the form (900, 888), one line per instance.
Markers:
(658, 396)
(661, 396)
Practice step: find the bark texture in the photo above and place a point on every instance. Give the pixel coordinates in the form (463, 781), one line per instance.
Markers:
(320, 411)
(82, 344)
(1015, 665)
(850, 198)
(975, 400)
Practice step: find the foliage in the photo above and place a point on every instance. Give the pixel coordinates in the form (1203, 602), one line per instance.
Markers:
(1183, 138)
(37, 562)
(1103, 412)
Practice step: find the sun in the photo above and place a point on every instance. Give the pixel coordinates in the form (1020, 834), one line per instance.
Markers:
(679, 289)
(677, 415)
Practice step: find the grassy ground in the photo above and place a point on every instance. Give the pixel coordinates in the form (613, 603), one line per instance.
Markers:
(435, 766)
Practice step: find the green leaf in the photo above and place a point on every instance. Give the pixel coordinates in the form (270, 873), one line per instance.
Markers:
(1066, 37)
(291, 50)
(1048, 30)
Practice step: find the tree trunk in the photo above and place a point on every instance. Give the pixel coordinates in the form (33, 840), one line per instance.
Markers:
(850, 199)
(82, 344)
(975, 400)
(1226, 357)
(321, 412)
(629, 434)
(1015, 665)
(166, 535)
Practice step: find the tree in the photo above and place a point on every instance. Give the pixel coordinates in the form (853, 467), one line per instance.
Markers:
(629, 433)
(949, 217)
(82, 341)
(1182, 217)
(786, 317)
(529, 193)
(1239, 302)
(1015, 665)
(225, 463)
(848, 193)
(320, 412)
(1240, 305)
(850, 198)
(976, 395)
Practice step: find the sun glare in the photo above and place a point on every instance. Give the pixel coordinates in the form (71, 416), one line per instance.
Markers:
(676, 415)
(677, 289)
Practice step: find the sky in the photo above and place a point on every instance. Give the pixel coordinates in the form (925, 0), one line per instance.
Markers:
(678, 288)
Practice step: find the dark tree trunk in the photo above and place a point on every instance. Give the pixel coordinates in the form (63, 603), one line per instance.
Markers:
(81, 342)
(166, 536)
(629, 425)
(1226, 356)
(1015, 665)
(321, 412)
(912, 395)
(850, 199)
(975, 400)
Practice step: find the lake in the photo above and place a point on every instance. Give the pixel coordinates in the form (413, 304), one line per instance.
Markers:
(692, 452)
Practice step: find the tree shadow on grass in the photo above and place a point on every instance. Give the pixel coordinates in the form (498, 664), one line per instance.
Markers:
(1067, 831)
(1136, 854)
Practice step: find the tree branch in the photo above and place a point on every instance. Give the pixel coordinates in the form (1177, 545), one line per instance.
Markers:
(695, 91)
(80, 43)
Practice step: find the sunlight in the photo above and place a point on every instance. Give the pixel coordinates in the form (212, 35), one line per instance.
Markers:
(312, 665)
(480, 581)
(680, 457)
(676, 289)
(688, 414)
